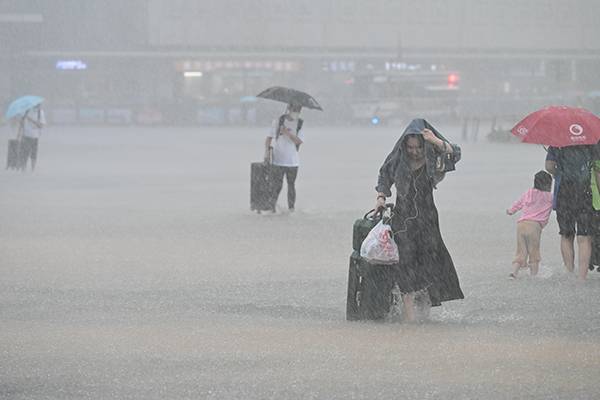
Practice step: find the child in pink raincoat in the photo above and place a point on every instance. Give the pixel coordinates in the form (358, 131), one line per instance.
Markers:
(536, 206)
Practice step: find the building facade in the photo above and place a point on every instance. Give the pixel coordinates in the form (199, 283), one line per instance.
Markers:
(184, 61)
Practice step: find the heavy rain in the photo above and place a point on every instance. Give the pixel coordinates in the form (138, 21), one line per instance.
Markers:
(137, 261)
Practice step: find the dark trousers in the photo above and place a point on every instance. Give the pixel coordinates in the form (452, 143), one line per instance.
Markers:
(29, 149)
(290, 175)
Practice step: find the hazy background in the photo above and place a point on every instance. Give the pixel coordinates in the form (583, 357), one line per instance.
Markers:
(132, 268)
(196, 62)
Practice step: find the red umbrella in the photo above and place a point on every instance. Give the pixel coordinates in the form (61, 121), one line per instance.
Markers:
(559, 126)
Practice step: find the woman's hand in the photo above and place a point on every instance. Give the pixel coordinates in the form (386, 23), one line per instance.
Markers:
(430, 137)
(380, 203)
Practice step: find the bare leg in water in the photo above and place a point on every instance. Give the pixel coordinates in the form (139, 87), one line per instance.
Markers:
(534, 267)
(584, 245)
(408, 301)
(515, 271)
(567, 250)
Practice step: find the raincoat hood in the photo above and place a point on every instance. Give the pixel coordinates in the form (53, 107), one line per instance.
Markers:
(415, 127)
(396, 164)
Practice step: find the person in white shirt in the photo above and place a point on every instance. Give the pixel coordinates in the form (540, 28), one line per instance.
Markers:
(282, 144)
(31, 129)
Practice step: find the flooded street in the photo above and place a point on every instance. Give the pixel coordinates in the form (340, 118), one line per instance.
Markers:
(132, 268)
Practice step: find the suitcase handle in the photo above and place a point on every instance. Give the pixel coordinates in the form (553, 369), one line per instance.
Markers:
(372, 214)
(269, 159)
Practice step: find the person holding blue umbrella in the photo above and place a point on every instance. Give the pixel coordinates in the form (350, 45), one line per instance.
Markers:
(31, 121)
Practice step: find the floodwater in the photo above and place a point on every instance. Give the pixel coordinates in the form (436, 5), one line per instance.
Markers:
(132, 268)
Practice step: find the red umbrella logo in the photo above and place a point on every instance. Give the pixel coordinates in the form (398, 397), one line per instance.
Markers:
(522, 131)
(576, 129)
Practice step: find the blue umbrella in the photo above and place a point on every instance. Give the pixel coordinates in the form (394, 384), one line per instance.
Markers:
(21, 105)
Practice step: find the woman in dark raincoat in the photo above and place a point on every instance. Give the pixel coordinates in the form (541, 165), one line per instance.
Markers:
(415, 166)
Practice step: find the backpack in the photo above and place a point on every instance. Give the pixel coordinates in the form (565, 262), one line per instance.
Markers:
(298, 127)
(574, 163)
(282, 120)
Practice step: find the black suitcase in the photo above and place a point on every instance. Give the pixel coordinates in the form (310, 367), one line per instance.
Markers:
(369, 290)
(13, 154)
(261, 187)
(369, 286)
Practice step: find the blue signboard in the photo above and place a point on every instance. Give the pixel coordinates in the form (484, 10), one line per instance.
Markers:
(69, 65)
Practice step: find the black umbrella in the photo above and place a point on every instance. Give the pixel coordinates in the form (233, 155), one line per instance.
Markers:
(290, 96)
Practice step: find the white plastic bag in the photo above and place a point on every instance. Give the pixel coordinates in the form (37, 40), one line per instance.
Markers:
(379, 246)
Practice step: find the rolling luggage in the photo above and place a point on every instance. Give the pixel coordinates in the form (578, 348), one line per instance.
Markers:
(369, 290)
(261, 187)
(369, 286)
(13, 155)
